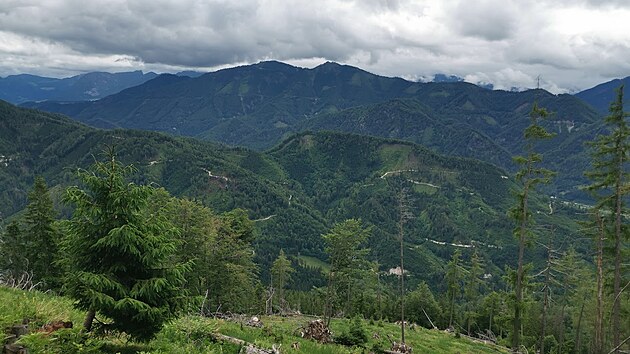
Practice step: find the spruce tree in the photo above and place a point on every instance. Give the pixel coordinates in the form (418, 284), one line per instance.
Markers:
(472, 289)
(41, 235)
(347, 257)
(232, 274)
(13, 261)
(610, 187)
(281, 271)
(454, 277)
(117, 257)
(529, 175)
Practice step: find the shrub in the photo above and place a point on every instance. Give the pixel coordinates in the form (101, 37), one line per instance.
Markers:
(355, 335)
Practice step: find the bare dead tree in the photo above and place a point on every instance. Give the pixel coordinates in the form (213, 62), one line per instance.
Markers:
(404, 215)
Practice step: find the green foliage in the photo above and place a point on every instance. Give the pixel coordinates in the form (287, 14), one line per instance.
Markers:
(38, 307)
(192, 334)
(29, 245)
(610, 186)
(222, 274)
(529, 175)
(281, 271)
(189, 334)
(295, 191)
(41, 236)
(421, 301)
(472, 291)
(454, 278)
(195, 227)
(231, 272)
(13, 262)
(117, 258)
(69, 341)
(348, 265)
(356, 335)
(292, 194)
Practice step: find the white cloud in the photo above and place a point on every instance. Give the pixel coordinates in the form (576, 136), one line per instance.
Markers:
(571, 44)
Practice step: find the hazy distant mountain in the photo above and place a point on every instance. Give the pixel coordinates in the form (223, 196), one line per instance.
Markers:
(603, 94)
(190, 73)
(446, 78)
(259, 105)
(23, 88)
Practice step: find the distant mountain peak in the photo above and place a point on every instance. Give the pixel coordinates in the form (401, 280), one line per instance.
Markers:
(447, 78)
(87, 86)
(274, 65)
(601, 95)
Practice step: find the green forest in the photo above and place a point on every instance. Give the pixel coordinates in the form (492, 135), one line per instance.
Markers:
(144, 240)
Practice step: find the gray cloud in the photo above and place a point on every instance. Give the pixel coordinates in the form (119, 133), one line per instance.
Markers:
(506, 42)
(485, 19)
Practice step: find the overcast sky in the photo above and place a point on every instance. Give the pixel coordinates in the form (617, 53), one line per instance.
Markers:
(571, 44)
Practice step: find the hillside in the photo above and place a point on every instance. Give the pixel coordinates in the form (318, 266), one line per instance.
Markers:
(477, 136)
(37, 143)
(296, 190)
(601, 95)
(89, 86)
(194, 334)
(259, 105)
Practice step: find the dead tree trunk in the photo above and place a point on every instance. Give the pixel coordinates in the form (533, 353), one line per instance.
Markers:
(599, 318)
(89, 319)
(546, 291)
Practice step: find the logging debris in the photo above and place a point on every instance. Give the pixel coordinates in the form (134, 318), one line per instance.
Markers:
(316, 330)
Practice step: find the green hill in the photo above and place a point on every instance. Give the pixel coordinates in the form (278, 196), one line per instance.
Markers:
(259, 105)
(488, 135)
(295, 191)
(601, 95)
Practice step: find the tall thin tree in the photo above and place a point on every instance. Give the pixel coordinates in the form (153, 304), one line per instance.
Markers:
(404, 215)
(454, 277)
(529, 175)
(281, 271)
(610, 186)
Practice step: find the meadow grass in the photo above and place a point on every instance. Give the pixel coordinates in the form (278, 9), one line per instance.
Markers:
(193, 334)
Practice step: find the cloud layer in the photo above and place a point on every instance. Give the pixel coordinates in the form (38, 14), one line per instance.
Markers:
(571, 44)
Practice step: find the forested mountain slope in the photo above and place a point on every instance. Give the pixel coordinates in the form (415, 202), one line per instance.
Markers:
(478, 136)
(259, 105)
(601, 95)
(296, 190)
(36, 143)
(89, 86)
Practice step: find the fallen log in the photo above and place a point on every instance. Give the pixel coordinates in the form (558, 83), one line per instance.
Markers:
(15, 349)
(247, 348)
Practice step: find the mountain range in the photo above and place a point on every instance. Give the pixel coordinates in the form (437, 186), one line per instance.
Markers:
(295, 191)
(257, 106)
(85, 87)
(603, 94)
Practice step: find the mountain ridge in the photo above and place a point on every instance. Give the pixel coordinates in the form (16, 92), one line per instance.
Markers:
(259, 105)
(600, 96)
(296, 190)
(89, 86)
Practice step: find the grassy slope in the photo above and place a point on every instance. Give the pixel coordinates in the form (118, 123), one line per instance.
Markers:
(190, 334)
